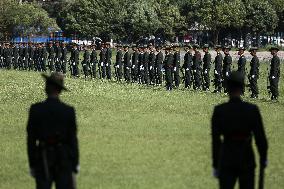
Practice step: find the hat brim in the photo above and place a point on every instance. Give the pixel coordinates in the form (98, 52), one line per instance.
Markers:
(47, 78)
(271, 49)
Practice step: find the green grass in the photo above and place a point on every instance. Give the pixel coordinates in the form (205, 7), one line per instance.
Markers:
(131, 136)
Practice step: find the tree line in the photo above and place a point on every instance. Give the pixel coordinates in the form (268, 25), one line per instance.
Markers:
(129, 20)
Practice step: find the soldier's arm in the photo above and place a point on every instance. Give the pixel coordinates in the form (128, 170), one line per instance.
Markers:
(31, 138)
(260, 137)
(216, 138)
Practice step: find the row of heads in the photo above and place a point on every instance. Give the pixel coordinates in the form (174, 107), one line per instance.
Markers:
(142, 46)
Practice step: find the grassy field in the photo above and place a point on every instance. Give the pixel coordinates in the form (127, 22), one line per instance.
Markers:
(131, 136)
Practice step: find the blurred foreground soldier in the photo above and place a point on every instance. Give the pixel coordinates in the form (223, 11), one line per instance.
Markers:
(108, 60)
(274, 74)
(94, 61)
(187, 66)
(254, 73)
(176, 65)
(126, 64)
(159, 66)
(52, 139)
(234, 124)
(218, 70)
(134, 66)
(227, 63)
(206, 68)
(197, 67)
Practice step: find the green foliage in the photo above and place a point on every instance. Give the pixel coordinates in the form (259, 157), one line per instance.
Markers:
(260, 17)
(25, 18)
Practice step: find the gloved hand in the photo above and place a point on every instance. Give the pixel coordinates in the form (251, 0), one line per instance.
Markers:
(133, 66)
(106, 64)
(117, 66)
(205, 71)
(215, 173)
(187, 69)
(273, 77)
(175, 68)
(151, 67)
(76, 169)
(253, 76)
(227, 74)
(216, 72)
(194, 71)
(102, 64)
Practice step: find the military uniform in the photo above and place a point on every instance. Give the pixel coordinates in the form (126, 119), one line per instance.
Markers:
(25, 57)
(108, 62)
(134, 68)
(94, 62)
(176, 68)
(102, 69)
(152, 58)
(254, 75)
(57, 59)
(63, 59)
(218, 71)
(43, 58)
(206, 70)
(86, 63)
(168, 65)
(146, 66)
(234, 124)
(1, 55)
(127, 65)
(118, 64)
(8, 57)
(187, 66)
(274, 75)
(51, 57)
(15, 57)
(197, 70)
(75, 62)
(52, 143)
(141, 66)
(227, 63)
(158, 67)
(31, 56)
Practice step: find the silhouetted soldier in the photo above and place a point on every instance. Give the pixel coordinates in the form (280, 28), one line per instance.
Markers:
(134, 66)
(176, 65)
(187, 66)
(234, 124)
(159, 65)
(126, 64)
(218, 69)
(206, 68)
(227, 63)
(52, 139)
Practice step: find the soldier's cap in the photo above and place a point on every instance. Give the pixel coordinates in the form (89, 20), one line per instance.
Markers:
(150, 45)
(145, 46)
(118, 45)
(126, 46)
(175, 45)
(56, 79)
(253, 49)
(241, 48)
(274, 48)
(187, 45)
(159, 47)
(205, 46)
(218, 47)
(195, 46)
(236, 79)
(134, 46)
(94, 44)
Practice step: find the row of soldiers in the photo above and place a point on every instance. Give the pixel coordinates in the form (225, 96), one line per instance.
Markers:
(146, 64)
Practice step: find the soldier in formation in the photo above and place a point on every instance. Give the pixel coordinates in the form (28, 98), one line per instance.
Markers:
(143, 64)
